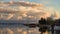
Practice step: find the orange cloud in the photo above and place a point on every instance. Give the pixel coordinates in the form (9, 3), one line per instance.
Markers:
(27, 10)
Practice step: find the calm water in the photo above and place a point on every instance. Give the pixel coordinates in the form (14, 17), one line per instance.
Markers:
(17, 29)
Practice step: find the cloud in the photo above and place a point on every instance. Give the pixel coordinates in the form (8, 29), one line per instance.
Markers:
(19, 18)
(10, 16)
(55, 15)
(26, 11)
(46, 1)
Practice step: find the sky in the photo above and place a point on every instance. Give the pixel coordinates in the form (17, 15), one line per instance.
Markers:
(49, 3)
(53, 3)
(39, 8)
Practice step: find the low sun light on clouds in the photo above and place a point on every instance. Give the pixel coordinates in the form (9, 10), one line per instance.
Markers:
(26, 10)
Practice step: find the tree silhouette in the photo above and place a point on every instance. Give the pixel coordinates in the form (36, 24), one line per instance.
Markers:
(58, 20)
(42, 27)
(51, 22)
(44, 22)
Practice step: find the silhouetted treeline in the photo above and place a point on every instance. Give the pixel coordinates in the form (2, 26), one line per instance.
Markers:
(49, 21)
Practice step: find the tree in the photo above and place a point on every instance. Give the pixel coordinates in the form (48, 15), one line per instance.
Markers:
(42, 27)
(51, 22)
(58, 20)
(44, 22)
